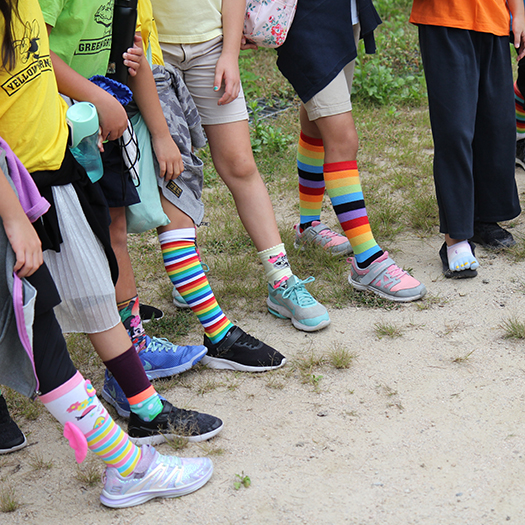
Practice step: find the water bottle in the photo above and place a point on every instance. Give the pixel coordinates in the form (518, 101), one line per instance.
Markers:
(82, 119)
(123, 31)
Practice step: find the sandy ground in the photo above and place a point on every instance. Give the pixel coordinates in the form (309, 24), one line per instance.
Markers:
(425, 428)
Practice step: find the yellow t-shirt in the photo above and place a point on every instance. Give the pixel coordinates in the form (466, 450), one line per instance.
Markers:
(33, 120)
(148, 29)
(188, 21)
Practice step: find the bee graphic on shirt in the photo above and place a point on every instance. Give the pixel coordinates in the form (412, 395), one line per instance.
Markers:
(28, 45)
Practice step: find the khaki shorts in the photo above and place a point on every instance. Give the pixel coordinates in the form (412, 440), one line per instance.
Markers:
(334, 99)
(196, 62)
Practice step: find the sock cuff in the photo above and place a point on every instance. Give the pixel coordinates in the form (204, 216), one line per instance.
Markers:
(177, 235)
(273, 249)
(63, 389)
(115, 361)
(310, 140)
(124, 304)
(340, 166)
(142, 396)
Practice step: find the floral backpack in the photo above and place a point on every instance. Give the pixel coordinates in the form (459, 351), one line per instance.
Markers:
(266, 22)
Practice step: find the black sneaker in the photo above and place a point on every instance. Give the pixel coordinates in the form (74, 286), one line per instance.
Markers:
(172, 423)
(240, 351)
(520, 153)
(491, 235)
(150, 313)
(11, 437)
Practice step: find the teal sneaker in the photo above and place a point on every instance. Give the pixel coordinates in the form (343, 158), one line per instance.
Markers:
(293, 301)
(178, 300)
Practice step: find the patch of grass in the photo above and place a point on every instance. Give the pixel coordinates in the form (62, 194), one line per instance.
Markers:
(340, 357)
(208, 385)
(88, 474)
(177, 442)
(174, 326)
(8, 499)
(514, 328)
(21, 406)
(387, 330)
(208, 449)
(37, 462)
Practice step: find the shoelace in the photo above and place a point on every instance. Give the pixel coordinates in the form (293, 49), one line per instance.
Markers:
(248, 340)
(329, 233)
(395, 271)
(302, 295)
(157, 344)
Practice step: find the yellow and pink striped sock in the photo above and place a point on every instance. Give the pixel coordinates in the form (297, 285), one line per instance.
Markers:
(88, 425)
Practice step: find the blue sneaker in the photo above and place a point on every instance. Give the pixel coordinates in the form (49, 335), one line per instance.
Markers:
(115, 396)
(161, 358)
(293, 301)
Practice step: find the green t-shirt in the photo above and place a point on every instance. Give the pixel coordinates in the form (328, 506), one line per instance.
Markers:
(81, 34)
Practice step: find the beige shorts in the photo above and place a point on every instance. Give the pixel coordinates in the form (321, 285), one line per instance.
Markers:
(196, 63)
(334, 99)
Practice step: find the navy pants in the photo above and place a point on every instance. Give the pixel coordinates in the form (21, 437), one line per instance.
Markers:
(471, 104)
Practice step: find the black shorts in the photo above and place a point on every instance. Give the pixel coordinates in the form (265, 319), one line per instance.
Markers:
(116, 183)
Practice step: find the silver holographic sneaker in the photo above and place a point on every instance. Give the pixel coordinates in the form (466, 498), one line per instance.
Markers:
(156, 476)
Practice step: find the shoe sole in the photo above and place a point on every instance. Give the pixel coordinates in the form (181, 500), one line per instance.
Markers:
(224, 364)
(168, 372)
(15, 448)
(298, 245)
(500, 246)
(118, 502)
(365, 287)
(283, 313)
(107, 397)
(157, 439)
(520, 163)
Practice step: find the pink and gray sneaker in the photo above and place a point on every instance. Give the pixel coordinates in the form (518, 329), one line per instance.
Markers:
(386, 279)
(320, 234)
(156, 476)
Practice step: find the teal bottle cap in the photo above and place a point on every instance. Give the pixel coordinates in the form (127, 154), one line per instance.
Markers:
(83, 121)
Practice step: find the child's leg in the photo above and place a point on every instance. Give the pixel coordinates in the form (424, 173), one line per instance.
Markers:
(160, 357)
(228, 345)
(228, 135)
(332, 120)
(310, 230)
(132, 476)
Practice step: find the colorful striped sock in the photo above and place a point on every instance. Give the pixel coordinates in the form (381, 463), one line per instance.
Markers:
(185, 271)
(520, 113)
(310, 158)
(76, 405)
(130, 316)
(344, 189)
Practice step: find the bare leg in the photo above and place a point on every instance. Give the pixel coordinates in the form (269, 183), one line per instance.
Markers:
(338, 133)
(111, 343)
(125, 288)
(178, 219)
(233, 159)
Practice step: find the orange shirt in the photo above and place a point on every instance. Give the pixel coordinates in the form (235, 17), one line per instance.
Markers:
(484, 16)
